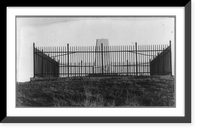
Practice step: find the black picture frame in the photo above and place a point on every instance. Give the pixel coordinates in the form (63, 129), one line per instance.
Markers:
(185, 119)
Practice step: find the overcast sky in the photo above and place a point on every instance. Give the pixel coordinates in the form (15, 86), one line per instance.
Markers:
(83, 31)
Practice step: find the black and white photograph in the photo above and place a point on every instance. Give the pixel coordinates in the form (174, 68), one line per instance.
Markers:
(95, 61)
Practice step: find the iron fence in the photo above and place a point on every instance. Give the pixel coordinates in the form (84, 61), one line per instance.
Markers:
(69, 61)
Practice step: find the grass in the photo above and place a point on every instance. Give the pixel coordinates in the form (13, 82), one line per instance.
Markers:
(97, 92)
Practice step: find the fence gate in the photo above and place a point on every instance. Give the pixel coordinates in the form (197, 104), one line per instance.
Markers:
(76, 61)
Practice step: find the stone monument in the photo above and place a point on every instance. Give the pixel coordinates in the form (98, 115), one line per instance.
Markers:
(101, 56)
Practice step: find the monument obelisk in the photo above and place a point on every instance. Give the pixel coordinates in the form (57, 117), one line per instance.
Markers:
(101, 56)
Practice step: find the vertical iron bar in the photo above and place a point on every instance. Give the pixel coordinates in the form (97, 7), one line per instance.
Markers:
(77, 61)
(163, 61)
(132, 60)
(68, 60)
(151, 65)
(129, 48)
(148, 61)
(81, 68)
(92, 59)
(74, 73)
(123, 60)
(143, 59)
(120, 52)
(139, 59)
(114, 59)
(136, 59)
(119, 65)
(126, 55)
(33, 60)
(152, 60)
(71, 61)
(158, 60)
(110, 59)
(75, 69)
(85, 59)
(102, 57)
(170, 59)
(118, 59)
(127, 67)
(42, 63)
(64, 59)
(55, 54)
(61, 57)
(52, 54)
(120, 56)
(89, 59)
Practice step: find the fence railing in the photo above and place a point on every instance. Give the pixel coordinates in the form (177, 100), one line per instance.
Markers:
(96, 60)
(44, 66)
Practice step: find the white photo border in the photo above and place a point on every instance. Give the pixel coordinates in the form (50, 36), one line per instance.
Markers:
(12, 111)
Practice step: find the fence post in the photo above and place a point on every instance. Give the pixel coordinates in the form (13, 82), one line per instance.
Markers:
(136, 59)
(68, 59)
(102, 57)
(170, 58)
(33, 60)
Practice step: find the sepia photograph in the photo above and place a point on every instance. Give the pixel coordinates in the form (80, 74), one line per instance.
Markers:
(95, 61)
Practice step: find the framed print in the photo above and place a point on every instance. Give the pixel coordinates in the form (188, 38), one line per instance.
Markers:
(98, 64)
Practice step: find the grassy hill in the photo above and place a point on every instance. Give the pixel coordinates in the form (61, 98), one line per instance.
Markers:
(121, 91)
